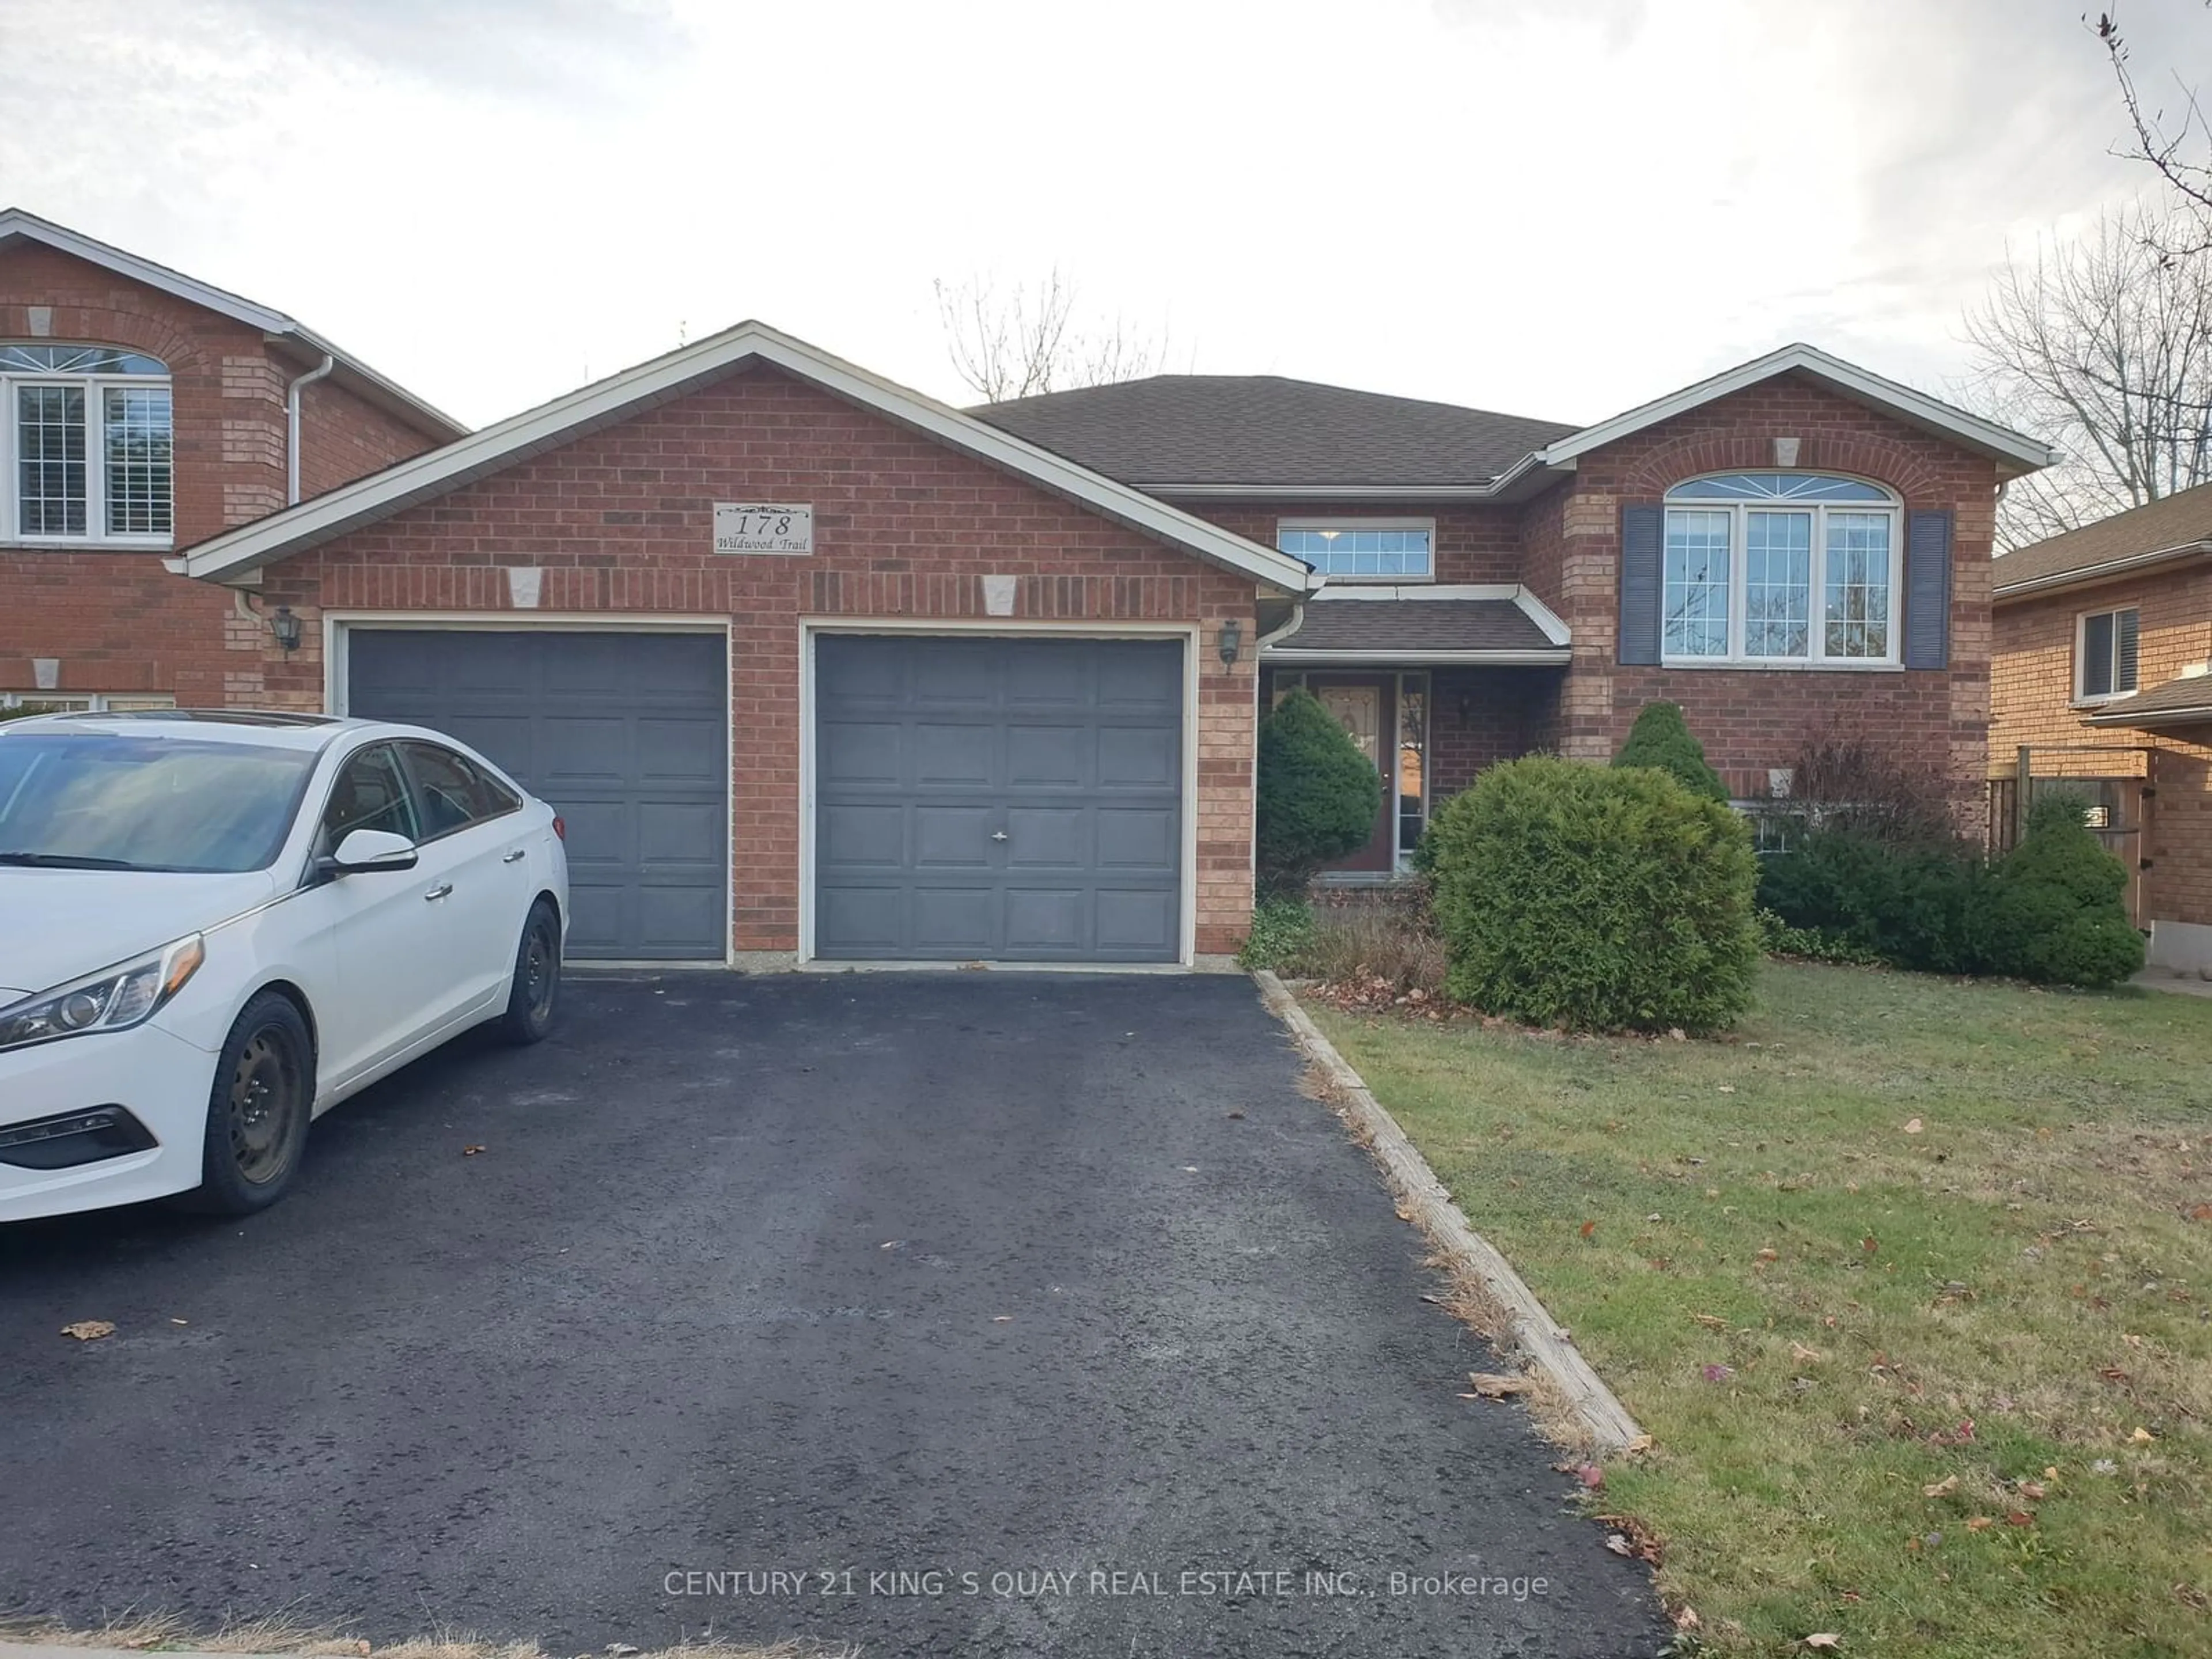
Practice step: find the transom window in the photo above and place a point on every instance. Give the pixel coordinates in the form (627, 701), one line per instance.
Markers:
(1780, 567)
(1363, 550)
(2105, 656)
(88, 443)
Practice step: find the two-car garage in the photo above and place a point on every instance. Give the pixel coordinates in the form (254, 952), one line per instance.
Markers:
(974, 796)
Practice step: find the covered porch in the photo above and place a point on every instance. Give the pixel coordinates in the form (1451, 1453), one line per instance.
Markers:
(1433, 683)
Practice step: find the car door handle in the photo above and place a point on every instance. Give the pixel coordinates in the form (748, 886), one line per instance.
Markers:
(513, 855)
(438, 892)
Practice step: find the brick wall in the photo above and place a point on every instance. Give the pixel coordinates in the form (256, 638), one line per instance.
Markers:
(1750, 720)
(116, 621)
(621, 522)
(2031, 691)
(342, 436)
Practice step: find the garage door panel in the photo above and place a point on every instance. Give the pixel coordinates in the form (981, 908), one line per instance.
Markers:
(953, 837)
(1049, 756)
(624, 734)
(1135, 922)
(1000, 736)
(1133, 838)
(1047, 922)
(948, 754)
(862, 754)
(1138, 758)
(872, 837)
(1048, 837)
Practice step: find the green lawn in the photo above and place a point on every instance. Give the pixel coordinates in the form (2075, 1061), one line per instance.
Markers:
(1941, 1235)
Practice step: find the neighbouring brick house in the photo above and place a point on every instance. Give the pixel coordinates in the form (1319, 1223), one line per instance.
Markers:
(820, 669)
(145, 412)
(2103, 675)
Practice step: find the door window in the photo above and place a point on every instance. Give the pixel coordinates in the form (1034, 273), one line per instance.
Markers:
(370, 794)
(452, 791)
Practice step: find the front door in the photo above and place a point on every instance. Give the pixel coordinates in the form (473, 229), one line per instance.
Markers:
(1367, 709)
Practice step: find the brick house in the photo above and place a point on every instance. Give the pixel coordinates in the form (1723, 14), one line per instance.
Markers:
(2102, 675)
(820, 669)
(146, 412)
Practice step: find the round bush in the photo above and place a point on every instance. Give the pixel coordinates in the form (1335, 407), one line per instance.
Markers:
(2060, 913)
(1318, 795)
(1594, 898)
(1661, 737)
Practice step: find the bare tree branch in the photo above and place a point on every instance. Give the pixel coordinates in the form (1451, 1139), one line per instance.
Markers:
(1019, 344)
(2102, 347)
(2169, 144)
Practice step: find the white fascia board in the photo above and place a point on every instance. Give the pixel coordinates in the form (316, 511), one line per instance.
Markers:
(1297, 659)
(2088, 575)
(1554, 627)
(604, 402)
(1916, 406)
(14, 221)
(1347, 588)
(1413, 494)
(2198, 715)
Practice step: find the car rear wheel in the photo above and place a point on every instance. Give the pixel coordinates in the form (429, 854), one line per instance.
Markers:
(257, 1110)
(536, 985)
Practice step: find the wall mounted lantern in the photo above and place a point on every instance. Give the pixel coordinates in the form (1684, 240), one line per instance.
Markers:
(1233, 633)
(284, 627)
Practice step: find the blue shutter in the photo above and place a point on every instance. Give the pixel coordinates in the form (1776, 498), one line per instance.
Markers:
(1928, 590)
(1643, 554)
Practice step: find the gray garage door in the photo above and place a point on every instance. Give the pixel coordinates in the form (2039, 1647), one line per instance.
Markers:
(624, 734)
(999, 799)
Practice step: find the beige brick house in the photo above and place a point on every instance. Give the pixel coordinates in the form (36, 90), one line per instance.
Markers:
(2101, 679)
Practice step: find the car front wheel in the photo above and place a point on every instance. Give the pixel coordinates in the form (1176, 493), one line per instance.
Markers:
(257, 1111)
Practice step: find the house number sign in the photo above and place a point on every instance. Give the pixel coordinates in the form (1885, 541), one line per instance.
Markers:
(759, 527)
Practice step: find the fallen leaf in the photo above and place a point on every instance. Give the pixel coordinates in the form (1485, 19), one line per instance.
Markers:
(2142, 1436)
(471, 1151)
(88, 1330)
(1493, 1385)
(1728, 1088)
(1823, 1638)
(1719, 1373)
(2033, 1489)
(1002, 1319)
(2112, 1373)
(1942, 1488)
(1770, 1254)
(1641, 1443)
(1588, 1227)
(1590, 1475)
(1805, 1356)
(1912, 1125)
(180, 1322)
(1869, 1244)
(1618, 1544)
(2019, 1518)
(1711, 1321)
(1686, 1618)
(2202, 1213)
(1980, 1523)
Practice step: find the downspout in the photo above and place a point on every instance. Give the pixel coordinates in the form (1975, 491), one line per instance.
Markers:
(292, 427)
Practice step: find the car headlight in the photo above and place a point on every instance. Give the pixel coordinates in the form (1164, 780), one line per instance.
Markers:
(112, 1000)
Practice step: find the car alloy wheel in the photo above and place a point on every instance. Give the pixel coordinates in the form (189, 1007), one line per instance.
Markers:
(539, 978)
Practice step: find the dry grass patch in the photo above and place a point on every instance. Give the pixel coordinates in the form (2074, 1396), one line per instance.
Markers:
(162, 1633)
(1912, 1280)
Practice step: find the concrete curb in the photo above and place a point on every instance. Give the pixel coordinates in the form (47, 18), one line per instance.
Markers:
(1538, 1336)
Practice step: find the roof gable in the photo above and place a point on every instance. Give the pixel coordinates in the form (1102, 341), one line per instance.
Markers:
(2014, 452)
(16, 224)
(2174, 526)
(605, 403)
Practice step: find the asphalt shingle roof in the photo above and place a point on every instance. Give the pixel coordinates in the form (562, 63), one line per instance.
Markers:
(2182, 696)
(2173, 521)
(1411, 623)
(1264, 430)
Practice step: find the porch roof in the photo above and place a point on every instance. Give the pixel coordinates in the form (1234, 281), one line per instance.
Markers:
(1501, 624)
(2184, 701)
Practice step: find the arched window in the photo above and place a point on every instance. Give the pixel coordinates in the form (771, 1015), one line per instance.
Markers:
(1781, 567)
(88, 443)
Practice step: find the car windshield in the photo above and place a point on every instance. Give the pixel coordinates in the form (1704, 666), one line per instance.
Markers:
(77, 800)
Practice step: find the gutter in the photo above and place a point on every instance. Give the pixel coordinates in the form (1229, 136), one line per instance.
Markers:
(292, 393)
(1296, 658)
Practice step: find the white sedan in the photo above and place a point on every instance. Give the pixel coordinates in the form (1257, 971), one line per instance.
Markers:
(215, 927)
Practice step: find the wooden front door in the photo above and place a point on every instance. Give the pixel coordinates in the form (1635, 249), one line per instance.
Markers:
(1367, 709)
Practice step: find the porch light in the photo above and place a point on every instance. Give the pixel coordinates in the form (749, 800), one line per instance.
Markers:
(284, 626)
(1231, 636)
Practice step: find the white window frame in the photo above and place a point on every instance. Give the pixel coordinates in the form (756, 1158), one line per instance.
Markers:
(1739, 574)
(95, 388)
(89, 702)
(1332, 524)
(2083, 698)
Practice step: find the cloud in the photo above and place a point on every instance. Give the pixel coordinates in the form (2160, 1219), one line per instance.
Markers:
(1616, 22)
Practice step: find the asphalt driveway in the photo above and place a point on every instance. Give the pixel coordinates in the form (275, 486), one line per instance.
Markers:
(858, 1307)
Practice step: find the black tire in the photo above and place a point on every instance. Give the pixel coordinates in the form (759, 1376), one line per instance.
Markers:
(536, 988)
(257, 1110)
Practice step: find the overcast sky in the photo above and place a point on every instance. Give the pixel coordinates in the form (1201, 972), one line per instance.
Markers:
(1558, 208)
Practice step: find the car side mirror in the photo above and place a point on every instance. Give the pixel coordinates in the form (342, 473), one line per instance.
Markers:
(366, 850)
